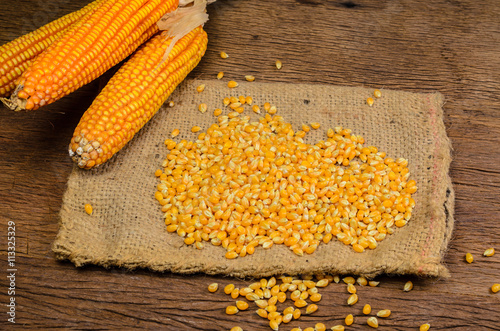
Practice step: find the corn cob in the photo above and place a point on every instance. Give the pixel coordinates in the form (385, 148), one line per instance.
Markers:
(17, 55)
(133, 95)
(89, 48)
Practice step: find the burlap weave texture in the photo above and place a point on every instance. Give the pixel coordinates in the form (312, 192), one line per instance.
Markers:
(127, 229)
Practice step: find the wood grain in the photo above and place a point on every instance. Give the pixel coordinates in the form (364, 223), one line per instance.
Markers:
(449, 46)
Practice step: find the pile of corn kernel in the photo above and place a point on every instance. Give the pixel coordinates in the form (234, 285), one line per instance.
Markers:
(266, 294)
(243, 184)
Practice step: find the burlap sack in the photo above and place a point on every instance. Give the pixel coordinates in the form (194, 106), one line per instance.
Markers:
(127, 229)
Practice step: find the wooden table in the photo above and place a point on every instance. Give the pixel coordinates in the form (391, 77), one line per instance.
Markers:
(446, 46)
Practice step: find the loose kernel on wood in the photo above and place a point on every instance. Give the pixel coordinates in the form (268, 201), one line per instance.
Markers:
(337, 328)
(373, 283)
(495, 288)
(278, 64)
(224, 55)
(373, 322)
(408, 286)
(236, 328)
(349, 319)
(367, 309)
(425, 327)
(213, 287)
(384, 313)
(242, 305)
(489, 252)
(220, 75)
(231, 310)
(249, 78)
(228, 288)
(310, 308)
(362, 281)
(353, 298)
(319, 327)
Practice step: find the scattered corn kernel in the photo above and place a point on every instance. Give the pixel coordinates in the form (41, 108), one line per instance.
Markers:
(315, 297)
(220, 75)
(171, 104)
(349, 280)
(296, 329)
(408, 286)
(377, 93)
(337, 328)
(369, 101)
(200, 88)
(384, 313)
(310, 308)
(349, 319)
(236, 328)
(274, 325)
(249, 78)
(372, 321)
(319, 327)
(232, 84)
(256, 109)
(195, 129)
(224, 55)
(362, 281)
(336, 278)
(158, 172)
(469, 258)
(367, 309)
(242, 305)
(278, 64)
(353, 298)
(315, 125)
(213, 287)
(373, 283)
(202, 107)
(351, 288)
(228, 289)
(217, 111)
(489, 252)
(88, 208)
(495, 288)
(231, 310)
(272, 110)
(425, 327)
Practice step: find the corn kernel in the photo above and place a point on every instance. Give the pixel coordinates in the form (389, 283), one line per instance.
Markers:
(315, 125)
(353, 298)
(278, 64)
(425, 327)
(256, 109)
(408, 286)
(200, 88)
(217, 111)
(262, 313)
(377, 93)
(236, 328)
(220, 75)
(274, 325)
(228, 289)
(319, 327)
(224, 55)
(349, 319)
(171, 104)
(88, 208)
(351, 288)
(213, 287)
(242, 305)
(231, 310)
(310, 308)
(373, 322)
(202, 107)
(349, 280)
(369, 102)
(362, 281)
(489, 252)
(373, 283)
(495, 288)
(250, 78)
(232, 84)
(384, 313)
(195, 129)
(337, 328)
(367, 309)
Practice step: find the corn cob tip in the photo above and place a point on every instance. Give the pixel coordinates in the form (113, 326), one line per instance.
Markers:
(85, 153)
(14, 102)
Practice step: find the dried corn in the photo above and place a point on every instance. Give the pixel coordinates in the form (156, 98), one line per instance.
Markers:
(85, 51)
(114, 117)
(17, 55)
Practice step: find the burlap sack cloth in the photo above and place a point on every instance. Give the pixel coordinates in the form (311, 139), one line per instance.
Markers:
(127, 229)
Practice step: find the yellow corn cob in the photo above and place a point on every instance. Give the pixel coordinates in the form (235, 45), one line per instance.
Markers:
(133, 95)
(89, 48)
(16, 56)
